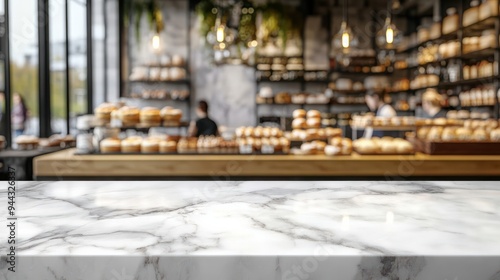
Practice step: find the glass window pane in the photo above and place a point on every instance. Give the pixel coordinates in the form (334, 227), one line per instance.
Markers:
(24, 66)
(3, 118)
(77, 58)
(58, 65)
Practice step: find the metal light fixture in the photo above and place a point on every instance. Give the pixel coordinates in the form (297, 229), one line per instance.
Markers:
(389, 36)
(344, 40)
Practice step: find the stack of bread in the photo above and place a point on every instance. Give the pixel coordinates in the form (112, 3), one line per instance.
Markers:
(257, 138)
(171, 116)
(313, 134)
(468, 131)
(383, 146)
(212, 144)
(103, 112)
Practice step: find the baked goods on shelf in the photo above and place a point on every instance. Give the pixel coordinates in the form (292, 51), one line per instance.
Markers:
(488, 8)
(103, 112)
(110, 145)
(168, 146)
(451, 21)
(368, 120)
(466, 131)
(150, 117)
(26, 142)
(129, 116)
(150, 146)
(424, 80)
(478, 97)
(131, 145)
(471, 15)
(283, 98)
(170, 116)
(383, 146)
(339, 146)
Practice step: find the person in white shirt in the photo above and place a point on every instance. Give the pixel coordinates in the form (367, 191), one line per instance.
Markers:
(376, 103)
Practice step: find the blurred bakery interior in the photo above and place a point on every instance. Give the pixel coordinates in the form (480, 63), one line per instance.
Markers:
(250, 89)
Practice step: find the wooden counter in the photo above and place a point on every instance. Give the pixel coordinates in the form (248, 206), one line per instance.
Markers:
(66, 165)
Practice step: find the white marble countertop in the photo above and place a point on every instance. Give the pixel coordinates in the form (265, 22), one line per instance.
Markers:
(257, 218)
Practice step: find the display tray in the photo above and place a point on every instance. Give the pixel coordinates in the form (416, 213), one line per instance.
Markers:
(379, 154)
(457, 148)
(187, 153)
(385, 128)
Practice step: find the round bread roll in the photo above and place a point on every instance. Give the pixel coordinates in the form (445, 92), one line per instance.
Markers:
(404, 148)
(480, 135)
(495, 135)
(346, 146)
(396, 121)
(131, 145)
(258, 132)
(313, 122)
(110, 145)
(492, 123)
(435, 134)
(307, 148)
(240, 132)
(449, 134)
(319, 145)
(129, 116)
(168, 146)
(333, 150)
(276, 132)
(314, 114)
(299, 114)
(388, 147)
(440, 121)
(464, 134)
(333, 132)
(169, 114)
(335, 141)
(299, 123)
(422, 132)
(150, 115)
(103, 111)
(365, 147)
(312, 133)
(150, 146)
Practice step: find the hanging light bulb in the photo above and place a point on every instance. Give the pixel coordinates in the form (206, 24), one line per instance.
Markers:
(156, 42)
(221, 33)
(389, 36)
(344, 40)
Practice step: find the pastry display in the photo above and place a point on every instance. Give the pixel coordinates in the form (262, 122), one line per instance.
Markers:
(478, 97)
(150, 146)
(383, 146)
(131, 145)
(150, 117)
(103, 112)
(170, 116)
(129, 116)
(110, 145)
(339, 146)
(471, 130)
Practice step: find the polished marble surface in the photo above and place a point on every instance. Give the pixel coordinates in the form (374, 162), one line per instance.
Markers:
(354, 227)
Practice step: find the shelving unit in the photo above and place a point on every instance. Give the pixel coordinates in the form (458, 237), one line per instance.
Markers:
(489, 53)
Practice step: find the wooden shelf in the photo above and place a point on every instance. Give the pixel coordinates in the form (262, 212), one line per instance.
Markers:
(183, 81)
(477, 28)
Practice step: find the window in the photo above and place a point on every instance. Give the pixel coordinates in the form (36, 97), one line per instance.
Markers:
(57, 34)
(77, 58)
(24, 66)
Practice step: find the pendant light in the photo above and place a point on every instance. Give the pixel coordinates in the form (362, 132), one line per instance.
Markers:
(344, 40)
(389, 36)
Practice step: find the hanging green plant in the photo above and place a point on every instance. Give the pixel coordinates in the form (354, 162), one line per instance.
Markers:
(280, 21)
(134, 10)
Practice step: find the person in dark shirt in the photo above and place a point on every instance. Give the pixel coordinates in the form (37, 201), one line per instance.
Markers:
(432, 105)
(204, 126)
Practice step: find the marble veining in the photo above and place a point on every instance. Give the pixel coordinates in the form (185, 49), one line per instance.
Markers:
(274, 218)
(263, 230)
